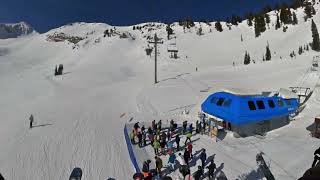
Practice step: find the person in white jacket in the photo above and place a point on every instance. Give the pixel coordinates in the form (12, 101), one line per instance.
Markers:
(181, 160)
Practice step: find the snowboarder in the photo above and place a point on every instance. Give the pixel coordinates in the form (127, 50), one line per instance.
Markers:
(146, 168)
(197, 175)
(190, 147)
(180, 159)
(158, 165)
(177, 139)
(31, 121)
(186, 156)
(211, 168)
(171, 161)
(132, 135)
(188, 135)
(56, 70)
(203, 158)
(156, 146)
(316, 157)
(139, 139)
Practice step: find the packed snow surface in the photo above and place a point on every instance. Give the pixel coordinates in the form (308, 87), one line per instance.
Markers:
(79, 116)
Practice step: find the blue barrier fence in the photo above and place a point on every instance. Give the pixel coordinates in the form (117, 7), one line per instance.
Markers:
(131, 153)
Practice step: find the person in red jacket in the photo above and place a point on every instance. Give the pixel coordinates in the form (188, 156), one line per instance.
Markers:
(190, 149)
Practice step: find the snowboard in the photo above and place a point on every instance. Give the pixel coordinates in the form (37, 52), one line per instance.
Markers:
(76, 174)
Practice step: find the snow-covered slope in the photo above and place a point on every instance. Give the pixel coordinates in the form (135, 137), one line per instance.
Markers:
(79, 117)
(15, 30)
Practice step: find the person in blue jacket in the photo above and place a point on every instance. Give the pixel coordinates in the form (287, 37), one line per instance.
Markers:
(171, 161)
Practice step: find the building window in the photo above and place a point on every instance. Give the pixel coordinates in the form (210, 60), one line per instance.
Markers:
(271, 104)
(280, 103)
(213, 100)
(260, 104)
(288, 102)
(227, 103)
(251, 105)
(220, 101)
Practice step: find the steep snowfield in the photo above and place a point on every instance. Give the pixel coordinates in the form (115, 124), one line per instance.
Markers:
(78, 115)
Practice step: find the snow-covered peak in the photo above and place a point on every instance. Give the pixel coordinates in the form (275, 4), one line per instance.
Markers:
(14, 30)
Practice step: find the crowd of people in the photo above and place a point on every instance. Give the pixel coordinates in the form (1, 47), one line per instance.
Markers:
(166, 141)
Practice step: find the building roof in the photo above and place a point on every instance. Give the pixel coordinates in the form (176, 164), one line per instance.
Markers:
(244, 109)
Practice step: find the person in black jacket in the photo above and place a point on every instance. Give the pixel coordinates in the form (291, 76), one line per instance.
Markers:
(186, 156)
(146, 166)
(197, 175)
(211, 169)
(316, 157)
(177, 139)
(140, 139)
(203, 158)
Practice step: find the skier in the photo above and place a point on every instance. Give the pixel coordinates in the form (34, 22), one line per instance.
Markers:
(190, 129)
(163, 146)
(184, 125)
(136, 128)
(142, 128)
(168, 135)
(184, 170)
(139, 139)
(171, 161)
(56, 70)
(197, 175)
(203, 158)
(180, 159)
(144, 139)
(188, 135)
(132, 135)
(31, 120)
(316, 157)
(156, 146)
(190, 149)
(159, 124)
(197, 127)
(186, 156)
(146, 168)
(158, 165)
(163, 136)
(153, 125)
(170, 145)
(177, 139)
(211, 169)
(151, 138)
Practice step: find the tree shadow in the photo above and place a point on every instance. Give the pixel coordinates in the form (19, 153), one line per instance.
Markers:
(42, 125)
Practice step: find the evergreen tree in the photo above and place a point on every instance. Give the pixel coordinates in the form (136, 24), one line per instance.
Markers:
(169, 31)
(307, 47)
(278, 24)
(294, 18)
(218, 26)
(263, 58)
(259, 25)
(296, 4)
(268, 53)
(241, 38)
(308, 10)
(285, 15)
(315, 37)
(300, 51)
(246, 58)
(267, 18)
(249, 17)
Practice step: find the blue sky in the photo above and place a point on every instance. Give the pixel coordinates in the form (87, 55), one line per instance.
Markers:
(44, 15)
